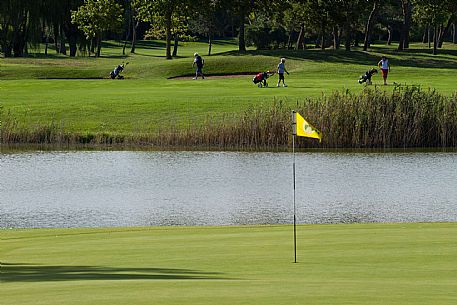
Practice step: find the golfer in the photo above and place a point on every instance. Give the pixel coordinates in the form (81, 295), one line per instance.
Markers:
(199, 61)
(281, 70)
(385, 68)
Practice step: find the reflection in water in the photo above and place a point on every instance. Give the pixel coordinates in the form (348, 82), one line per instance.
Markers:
(95, 189)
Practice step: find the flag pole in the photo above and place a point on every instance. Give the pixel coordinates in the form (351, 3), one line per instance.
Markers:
(304, 129)
(294, 133)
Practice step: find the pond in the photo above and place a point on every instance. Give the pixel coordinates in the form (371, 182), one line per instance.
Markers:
(145, 188)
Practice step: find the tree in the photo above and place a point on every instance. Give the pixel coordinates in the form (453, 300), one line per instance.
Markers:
(294, 21)
(243, 10)
(369, 25)
(20, 24)
(96, 17)
(56, 16)
(204, 21)
(132, 22)
(450, 9)
(431, 12)
(406, 8)
(308, 16)
(319, 12)
(351, 10)
(333, 15)
(265, 26)
(167, 14)
(389, 19)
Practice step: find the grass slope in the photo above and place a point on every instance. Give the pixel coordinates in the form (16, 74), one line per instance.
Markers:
(338, 264)
(40, 89)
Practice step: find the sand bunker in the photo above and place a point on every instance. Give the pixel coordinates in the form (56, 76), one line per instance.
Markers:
(213, 76)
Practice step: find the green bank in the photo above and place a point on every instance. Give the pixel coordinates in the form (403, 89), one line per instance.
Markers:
(337, 264)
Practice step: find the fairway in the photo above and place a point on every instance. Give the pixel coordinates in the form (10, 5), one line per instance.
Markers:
(75, 95)
(337, 264)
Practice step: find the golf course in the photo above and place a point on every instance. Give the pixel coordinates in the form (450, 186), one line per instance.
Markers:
(75, 95)
(209, 152)
(374, 263)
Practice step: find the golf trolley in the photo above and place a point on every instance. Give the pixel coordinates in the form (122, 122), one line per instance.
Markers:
(261, 79)
(366, 78)
(116, 73)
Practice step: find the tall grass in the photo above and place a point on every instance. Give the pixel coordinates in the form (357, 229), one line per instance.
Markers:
(407, 117)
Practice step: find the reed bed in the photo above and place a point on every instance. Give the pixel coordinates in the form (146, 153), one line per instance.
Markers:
(408, 117)
(405, 118)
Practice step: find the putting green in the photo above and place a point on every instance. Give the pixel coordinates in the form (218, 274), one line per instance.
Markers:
(338, 264)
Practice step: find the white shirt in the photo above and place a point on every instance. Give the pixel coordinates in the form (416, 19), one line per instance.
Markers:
(384, 64)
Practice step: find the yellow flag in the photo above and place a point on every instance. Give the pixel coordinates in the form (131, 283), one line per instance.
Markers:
(304, 129)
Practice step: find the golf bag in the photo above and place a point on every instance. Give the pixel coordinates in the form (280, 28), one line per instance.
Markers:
(116, 72)
(261, 79)
(366, 78)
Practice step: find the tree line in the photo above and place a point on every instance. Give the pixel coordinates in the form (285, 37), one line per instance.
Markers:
(293, 24)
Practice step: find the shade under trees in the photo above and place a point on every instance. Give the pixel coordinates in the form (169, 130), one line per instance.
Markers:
(77, 27)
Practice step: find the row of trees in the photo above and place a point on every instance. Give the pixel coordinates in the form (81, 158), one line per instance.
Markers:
(82, 24)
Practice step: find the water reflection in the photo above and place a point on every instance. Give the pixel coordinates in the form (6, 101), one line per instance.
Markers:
(96, 188)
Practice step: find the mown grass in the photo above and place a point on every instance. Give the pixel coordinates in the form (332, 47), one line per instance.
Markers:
(69, 92)
(337, 264)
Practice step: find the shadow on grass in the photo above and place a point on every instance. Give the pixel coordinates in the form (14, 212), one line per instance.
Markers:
(221, 42)
(151, 44)
(424, 51)
(410, 58)
(21, 272)
(66, 58)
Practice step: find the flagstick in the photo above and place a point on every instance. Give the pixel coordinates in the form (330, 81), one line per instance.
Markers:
(306, 130)
(295, 222)
(293, 154)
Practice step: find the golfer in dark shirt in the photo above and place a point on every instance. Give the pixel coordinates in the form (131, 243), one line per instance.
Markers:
(199, 61)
